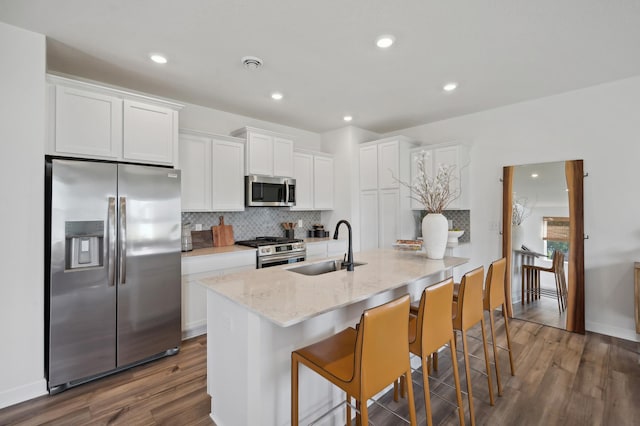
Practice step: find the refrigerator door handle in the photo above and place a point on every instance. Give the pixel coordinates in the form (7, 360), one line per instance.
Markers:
(111, 234)
(123, 240)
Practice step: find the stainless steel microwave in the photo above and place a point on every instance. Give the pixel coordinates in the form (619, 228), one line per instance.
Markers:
(265, 191)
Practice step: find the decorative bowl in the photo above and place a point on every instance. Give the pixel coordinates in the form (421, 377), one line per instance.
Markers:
(453, 237)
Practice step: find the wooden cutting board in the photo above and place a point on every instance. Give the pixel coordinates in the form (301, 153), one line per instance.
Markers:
(222, 234)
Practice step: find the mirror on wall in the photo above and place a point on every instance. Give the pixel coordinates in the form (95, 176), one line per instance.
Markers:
(543, 241)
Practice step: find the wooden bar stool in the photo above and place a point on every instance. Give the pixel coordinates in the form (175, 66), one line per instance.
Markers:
(494, 297)
(469, 312)
(362, 362)
(432, 329)
(531, 276)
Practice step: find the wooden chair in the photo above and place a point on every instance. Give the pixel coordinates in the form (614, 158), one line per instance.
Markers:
(469, 312)
(362, 362)
(494, 297)
(430, 330)
(531, 276)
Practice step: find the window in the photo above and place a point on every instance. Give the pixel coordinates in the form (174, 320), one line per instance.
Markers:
(555, 233)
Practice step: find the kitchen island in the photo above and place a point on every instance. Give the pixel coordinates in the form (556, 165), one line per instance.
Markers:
(256, 318)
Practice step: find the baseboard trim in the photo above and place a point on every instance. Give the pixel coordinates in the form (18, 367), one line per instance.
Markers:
(611, 330)
(23, 393)
(194, 330)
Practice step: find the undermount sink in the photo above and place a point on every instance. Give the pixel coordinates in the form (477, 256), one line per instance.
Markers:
(322, 267)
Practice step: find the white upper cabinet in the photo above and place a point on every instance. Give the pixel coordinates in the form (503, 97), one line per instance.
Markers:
(87, 123)
(282, 157)
(212, 172)
(268, 153)
(148, 132)
(314, 177)
(228, 175)
(303, 174)
(91, 121)
(434, 156)
(195, 159)
(323, 182)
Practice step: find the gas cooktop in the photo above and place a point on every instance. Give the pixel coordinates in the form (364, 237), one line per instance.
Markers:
(268, 241)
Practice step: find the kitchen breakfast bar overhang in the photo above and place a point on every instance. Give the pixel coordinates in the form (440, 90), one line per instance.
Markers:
(256, 318)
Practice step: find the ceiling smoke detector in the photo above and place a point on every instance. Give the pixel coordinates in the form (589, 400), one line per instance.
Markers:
(251, 62)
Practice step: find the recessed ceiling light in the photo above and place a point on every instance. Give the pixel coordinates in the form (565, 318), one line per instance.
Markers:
(158, 59)
(276, 96)
(534, 175)
(347, 118)
(385, 41)
(450, 87)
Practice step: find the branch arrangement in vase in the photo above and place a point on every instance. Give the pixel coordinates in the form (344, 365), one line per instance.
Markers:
(433, 192)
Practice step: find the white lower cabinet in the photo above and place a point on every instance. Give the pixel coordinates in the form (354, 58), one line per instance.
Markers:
(194, 296)
(212, 172)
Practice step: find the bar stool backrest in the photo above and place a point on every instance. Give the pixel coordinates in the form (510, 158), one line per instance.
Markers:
(494, 284)
(434, 316)
(470, 301)
(382, 347)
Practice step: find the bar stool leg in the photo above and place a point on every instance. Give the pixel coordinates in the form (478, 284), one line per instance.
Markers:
(427, 394)
(467, 370)
(348, 420)
(495, 350)
(410, 400)
(486, 361)
(456, 379)
(294, 392)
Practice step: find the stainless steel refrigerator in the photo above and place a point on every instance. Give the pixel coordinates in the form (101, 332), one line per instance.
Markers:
(113, 295)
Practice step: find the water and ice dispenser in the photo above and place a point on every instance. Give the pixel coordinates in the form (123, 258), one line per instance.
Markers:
(84, 242)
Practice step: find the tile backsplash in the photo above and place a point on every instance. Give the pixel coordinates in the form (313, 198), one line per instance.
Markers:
(255, 221)
(461, 220)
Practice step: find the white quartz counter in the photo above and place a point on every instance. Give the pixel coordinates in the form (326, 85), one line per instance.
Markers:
(287, 298)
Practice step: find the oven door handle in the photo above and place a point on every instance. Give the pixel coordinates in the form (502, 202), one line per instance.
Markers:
(268, 259)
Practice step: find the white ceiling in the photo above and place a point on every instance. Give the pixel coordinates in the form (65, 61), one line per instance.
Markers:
(321, 54)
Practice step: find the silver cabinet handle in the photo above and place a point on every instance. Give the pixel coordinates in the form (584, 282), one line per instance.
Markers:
(111, 235)
(123, 240)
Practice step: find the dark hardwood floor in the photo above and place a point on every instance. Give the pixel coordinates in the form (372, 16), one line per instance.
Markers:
(543, 311)
(561, 379)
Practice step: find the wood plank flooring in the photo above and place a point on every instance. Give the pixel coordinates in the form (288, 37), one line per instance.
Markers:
(561, 379)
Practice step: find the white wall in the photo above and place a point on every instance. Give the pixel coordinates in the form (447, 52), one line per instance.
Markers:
(598, 124)
(215, 121)
(22, 124)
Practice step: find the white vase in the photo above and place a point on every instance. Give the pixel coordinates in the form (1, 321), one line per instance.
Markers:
(434, 235)
(517, 237)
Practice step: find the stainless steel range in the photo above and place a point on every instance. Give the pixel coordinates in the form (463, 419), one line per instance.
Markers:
(273, 251)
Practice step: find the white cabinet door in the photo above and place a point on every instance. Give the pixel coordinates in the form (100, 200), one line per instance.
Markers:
(227, 174)
(323, 183)
(148, 133)
(260, 154)
(368, 220)
(368, 168)
(389, 217)
(303, 174)
(195, 159)
(282, 157)
(87, 123)
(388, 165)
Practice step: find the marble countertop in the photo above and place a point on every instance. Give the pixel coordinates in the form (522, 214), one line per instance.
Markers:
(287, 298)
